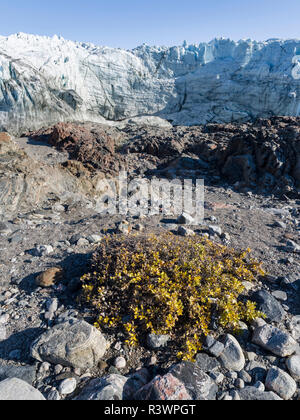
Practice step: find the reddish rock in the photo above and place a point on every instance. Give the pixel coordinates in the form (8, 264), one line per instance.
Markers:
(94, 145)
(164, 388)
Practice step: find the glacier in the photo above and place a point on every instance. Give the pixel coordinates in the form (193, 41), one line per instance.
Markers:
(46, 80)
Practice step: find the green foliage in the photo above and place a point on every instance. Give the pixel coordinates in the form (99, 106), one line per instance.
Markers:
(169, 285)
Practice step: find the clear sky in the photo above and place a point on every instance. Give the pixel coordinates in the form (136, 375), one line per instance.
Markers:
(129, 23)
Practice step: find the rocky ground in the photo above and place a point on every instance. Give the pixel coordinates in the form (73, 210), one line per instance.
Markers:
(48, 183)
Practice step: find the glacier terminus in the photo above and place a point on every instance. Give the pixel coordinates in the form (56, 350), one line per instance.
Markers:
(46, 80)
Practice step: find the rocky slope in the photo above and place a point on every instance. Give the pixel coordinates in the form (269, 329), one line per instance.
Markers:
(50, 226)
(46, 80)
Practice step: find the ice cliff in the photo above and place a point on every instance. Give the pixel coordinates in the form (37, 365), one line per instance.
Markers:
(45, 80)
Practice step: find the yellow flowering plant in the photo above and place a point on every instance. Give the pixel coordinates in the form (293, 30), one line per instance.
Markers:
(171, 285)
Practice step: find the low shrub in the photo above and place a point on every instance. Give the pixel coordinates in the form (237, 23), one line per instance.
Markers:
(167, 284)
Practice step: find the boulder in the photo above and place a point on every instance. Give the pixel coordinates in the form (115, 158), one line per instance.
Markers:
(14, 389)
(232, 357)
(274, 340)
(281, 383)
(270, 306)
(73, 343)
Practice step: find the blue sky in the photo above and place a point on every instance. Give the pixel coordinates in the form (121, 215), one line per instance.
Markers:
(128, 23)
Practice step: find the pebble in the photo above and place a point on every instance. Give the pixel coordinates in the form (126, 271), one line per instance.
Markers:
(44, 367)
(280, 224)
(4, 318)
(232, 356)
(291, 246)
(293, 366)
(280, 295)
(82, 242)
(251, 356)
(58, 369)
(53, 395)
(183, 231)
(41, 250)
(157, 341)
(218, 377)
(245, 377)
(295, 327)
(67, 386)
(232, 375)
(215, 230)
(239, 383)
(214, 347)
(94, 239)
(120, 363)
(260, 386)
(3, 333)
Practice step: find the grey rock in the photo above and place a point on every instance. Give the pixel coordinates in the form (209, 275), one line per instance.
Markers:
(82, 242)
(227, 397)
(197, 383)
(267, 304)
(53, 395)
(291, 246)
(186, 219)
(67, 386)
(75, 238)
(214, 347)
(120, 362)
(280, 224)
(217, 377)
(245, 376)
(3, 333)
(104, 389)
(292, 281)
(260, 386)
(42, 250)
(280, 295)
(94, 239)
(215, 230)
(253, 394)
(25, 373)
(274, 340)
(232, 357)
(4, 319)
(239, 383)
(295, 327)
(183, 231)
(232, 375)
(281, 383)
(234, 395)
(72, 343)
(14, 389)
(157, 341)
(257, 371)
(293, 365)
(207, 363)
